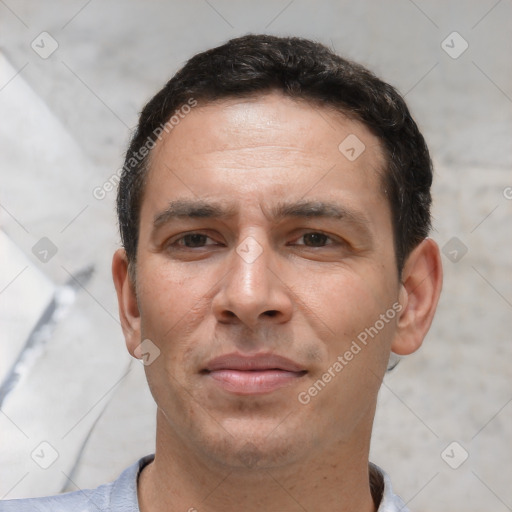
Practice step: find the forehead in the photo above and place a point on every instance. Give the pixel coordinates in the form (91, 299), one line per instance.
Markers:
(267, 145)
(267, 120)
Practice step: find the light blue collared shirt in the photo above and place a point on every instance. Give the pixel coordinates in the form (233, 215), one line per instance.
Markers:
(121, 496)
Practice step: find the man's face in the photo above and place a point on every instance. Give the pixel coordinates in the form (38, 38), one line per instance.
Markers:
(259, 240)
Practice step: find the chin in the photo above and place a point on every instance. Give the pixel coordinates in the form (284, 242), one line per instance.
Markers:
(261, 446)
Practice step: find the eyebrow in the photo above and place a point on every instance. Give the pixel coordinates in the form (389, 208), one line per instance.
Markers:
(305, 208)
(197, 208)
(193, 208)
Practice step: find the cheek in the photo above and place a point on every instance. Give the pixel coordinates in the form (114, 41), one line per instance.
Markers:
(341, 300)
(349, 309)
(170, 302)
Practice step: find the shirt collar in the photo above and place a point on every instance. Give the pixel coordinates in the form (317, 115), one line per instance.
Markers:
(382, 491)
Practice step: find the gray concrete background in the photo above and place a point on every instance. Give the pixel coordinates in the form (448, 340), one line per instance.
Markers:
(64, 124)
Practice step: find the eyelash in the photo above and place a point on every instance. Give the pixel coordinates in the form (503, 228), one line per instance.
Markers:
(176, 243)
(182, 237)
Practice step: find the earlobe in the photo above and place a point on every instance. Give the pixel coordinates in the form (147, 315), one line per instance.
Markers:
(421, 286)
(127, 301)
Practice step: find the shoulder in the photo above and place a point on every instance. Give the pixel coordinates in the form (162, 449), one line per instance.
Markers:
(79, 501)
(118, 496)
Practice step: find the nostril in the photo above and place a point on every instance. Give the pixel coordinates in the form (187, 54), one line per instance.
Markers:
(271, 313)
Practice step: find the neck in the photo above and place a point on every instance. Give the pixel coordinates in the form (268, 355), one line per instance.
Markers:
(181, 480)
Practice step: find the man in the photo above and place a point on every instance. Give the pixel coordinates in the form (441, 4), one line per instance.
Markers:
(274, 212)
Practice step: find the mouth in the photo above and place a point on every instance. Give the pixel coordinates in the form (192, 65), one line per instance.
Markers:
(253, 375)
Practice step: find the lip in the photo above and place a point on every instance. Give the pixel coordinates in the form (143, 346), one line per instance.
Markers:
(253, 375)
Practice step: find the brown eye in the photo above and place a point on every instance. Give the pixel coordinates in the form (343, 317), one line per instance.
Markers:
(315, 239)
(193, 240)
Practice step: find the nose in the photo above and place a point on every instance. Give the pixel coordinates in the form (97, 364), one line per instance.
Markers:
(253, 291)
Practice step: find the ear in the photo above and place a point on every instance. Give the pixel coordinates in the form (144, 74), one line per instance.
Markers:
(422, 280)
(127, 301)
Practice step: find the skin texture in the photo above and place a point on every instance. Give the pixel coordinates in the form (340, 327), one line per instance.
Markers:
(306, 297)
